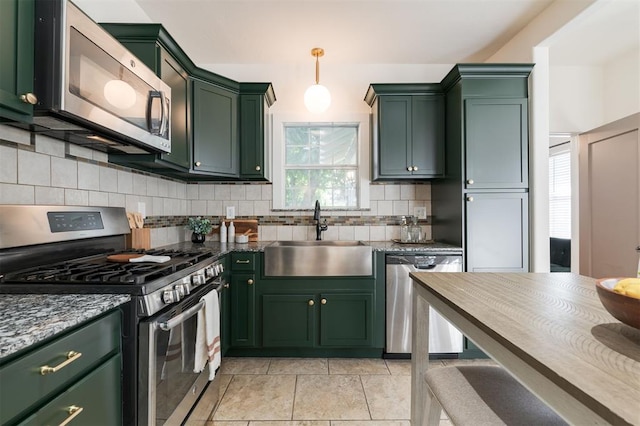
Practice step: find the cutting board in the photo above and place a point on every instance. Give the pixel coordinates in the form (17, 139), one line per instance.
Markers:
(242, 226)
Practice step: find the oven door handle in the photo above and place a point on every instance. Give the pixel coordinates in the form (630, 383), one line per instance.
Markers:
(166, 326)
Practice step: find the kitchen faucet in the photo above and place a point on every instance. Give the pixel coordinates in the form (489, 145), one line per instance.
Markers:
(319, 227)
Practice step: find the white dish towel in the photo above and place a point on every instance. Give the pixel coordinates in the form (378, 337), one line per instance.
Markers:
(208, 335)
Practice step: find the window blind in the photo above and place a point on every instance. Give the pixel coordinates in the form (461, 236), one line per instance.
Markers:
(560, 192)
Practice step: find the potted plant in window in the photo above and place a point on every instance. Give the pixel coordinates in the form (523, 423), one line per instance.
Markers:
(200, 226)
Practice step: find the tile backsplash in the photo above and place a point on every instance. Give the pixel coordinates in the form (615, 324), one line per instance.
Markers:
(36, 169)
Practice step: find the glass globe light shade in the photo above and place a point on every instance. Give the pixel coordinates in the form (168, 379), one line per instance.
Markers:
(119, 94)
(317, 98)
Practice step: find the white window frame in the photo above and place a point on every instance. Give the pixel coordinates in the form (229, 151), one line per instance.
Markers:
(556, 150)
(362, 121)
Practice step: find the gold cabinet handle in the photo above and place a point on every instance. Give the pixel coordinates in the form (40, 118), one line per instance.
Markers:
(29, 98)
(71, 356)
(226, 286)
(249, 281)
(323, 301)
(243, 261)
(311, 302)
(198, 163)
(73, 412)
(470, 181)
(258, 168)
(409, 168)
(415, 168)
(470, 199)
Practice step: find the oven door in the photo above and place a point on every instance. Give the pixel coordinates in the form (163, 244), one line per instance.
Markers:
(169, 388)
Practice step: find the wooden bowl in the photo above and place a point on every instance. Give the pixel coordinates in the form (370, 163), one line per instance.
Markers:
(624, 308)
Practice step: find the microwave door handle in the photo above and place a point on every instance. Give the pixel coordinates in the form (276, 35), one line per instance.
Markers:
(154, 96)
(164, 120)
(173, 322)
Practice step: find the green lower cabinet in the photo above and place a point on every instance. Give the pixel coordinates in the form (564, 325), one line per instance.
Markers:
(94, 400)
(288, 320)
(318, 320)
(243, 310)
(346, 320)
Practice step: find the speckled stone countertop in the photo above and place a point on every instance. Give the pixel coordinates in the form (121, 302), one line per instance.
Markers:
(220, 249)
(31, 318)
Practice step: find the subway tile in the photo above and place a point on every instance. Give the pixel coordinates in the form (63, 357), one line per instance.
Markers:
(80, 151)
(245, 208)
(131, 202)
(423, 192)
(49, 195)
(401, 208)
(13, 134)
(97, 198)
(158, 206)
(267, 233)
(192, 192)
(152, 186)
(163, 187)
(64, 173)
(103, 157)
(392, 233)
(116, 200)
(300, 233)
(262, 208)
(267, 192)
(377, 233)
(214, 208)
(385, 208)
(50, 146)
(16, 194)
(222, 192)
(181, 190)
(284, 233)
(76, 197)
(108, 179)
(33, 168)
(361, 233)
(8, 164)
(125, 182)
(206, 192)
(172, 189)
(392, 192)
(346, 233)
(253, 192)
(139, 184)
(198, 208)
(407, 192)
(88, 176)
(376, 192)
(237, 192)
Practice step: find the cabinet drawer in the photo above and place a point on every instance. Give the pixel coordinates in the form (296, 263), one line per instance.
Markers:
(23, 385)
(243, 261)
(98, 395)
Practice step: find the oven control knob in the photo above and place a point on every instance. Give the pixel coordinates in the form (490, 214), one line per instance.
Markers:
(220, 268)
(168, 297)
(198, 278)
(181, 290)
(211, 271)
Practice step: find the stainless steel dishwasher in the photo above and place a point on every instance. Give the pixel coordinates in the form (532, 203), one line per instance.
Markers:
(443, 337)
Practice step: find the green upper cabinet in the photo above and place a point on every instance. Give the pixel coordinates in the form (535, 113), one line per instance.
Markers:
(155, 47)
(215, 129)
(219, 127)
(496, 148)
(407, 131)
(16, 67)
(255, 130)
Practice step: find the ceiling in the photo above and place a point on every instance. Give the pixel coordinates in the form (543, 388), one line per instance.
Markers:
(368, 32)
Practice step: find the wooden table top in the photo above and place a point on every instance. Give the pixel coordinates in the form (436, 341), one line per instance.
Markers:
(556, 323)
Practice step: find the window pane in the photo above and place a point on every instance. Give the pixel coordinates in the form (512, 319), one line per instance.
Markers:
(333, 188)
(560, 195)
(321, 145)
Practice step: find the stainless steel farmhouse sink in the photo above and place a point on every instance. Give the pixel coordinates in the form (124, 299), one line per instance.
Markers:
(317, 258)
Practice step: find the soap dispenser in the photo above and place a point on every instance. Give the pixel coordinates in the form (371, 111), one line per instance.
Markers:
(232, 232)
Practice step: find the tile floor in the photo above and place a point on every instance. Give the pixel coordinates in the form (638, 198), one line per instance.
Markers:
(312, 392)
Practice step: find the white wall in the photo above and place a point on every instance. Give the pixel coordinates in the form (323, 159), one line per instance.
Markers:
(621, 87)
(576, 98)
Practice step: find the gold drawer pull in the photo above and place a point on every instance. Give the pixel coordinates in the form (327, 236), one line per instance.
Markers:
(73, 411)
(71, 356)
(243, 261)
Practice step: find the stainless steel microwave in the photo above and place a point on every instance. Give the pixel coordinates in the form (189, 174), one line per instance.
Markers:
(91, 90)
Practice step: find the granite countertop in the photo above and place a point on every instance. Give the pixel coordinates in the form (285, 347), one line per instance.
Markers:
(32, 318)
(220, 249)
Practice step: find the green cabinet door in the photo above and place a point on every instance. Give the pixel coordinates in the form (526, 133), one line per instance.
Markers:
(16, 50)
(215, 130)
(409, 139)
(346, 319)
(252, 137)
(96, 400)
(176, 77)
(497, 232)
(243, 310)
(288, 320)
(496, 143)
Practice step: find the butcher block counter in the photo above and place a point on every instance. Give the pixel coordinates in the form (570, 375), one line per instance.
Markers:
(550, 331)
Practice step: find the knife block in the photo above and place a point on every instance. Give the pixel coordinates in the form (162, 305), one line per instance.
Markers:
(139, 238)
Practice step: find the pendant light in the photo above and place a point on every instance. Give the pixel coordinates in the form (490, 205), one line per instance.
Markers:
(317, 97)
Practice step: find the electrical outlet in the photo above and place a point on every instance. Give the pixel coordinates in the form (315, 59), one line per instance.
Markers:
(420, 212)
(231, 212)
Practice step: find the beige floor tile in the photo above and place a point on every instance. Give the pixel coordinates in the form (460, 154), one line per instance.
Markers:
(220, 423)
(257, 397)
(357, 366)
(399, 367)
(245, 365)
(371, 423)
(292, 423)
(208, 401)
(299, 366)
(389, 397)
(332, 397)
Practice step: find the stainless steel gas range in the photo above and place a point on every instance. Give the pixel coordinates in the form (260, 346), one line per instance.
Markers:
(62, 249)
